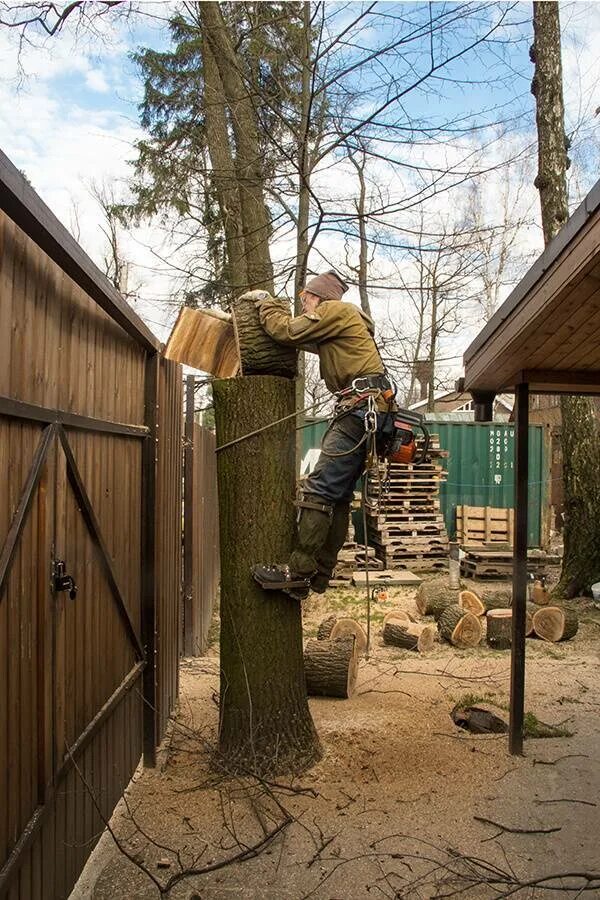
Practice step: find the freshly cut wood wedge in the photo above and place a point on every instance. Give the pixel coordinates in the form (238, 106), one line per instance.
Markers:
(399, 615)
(331, 668)
(472, 602)
(409, 635)
(460, 628)
(205, 340)
(555, 623)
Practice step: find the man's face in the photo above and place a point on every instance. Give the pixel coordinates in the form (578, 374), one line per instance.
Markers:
(309, 301)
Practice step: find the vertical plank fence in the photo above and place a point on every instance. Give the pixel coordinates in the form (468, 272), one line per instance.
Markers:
(90, 546)
(201, 530)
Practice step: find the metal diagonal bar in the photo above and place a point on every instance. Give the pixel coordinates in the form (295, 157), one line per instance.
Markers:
(10, 868)
(18, 409)
(20, 516)
(93, 526)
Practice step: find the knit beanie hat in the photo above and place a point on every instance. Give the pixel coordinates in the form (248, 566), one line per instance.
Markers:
(328, 286)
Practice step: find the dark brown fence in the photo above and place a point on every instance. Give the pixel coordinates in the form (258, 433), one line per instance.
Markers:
(90, 546)
(201, 531)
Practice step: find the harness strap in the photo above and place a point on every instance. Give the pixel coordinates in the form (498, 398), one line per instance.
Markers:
(307, 504)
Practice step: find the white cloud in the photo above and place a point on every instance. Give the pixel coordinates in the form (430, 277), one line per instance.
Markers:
(95, 79)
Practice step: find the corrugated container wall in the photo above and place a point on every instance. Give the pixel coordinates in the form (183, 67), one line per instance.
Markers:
(480, 468)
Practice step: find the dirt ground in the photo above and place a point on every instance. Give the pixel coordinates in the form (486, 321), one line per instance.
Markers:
(395, 807)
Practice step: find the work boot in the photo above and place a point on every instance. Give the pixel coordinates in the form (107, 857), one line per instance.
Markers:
(279, 578)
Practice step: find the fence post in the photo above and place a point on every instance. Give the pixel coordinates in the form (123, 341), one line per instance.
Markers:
(148, 557)
(188, 519)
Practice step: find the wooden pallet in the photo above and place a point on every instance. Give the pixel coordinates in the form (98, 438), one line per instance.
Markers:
(484, 525)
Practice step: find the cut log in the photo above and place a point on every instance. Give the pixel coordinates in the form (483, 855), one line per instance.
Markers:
(331, 667)
(432, 596)
(324, 629)
(499, 628)
(539, 595)
(259, 353)
(204, 339)
(496, 599)
(471, 601)
(399, 615)
(555, 623)
(409, 635)
(345, 627)
(460, 628)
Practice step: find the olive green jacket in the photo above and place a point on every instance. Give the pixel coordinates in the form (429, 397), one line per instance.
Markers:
(339, 332)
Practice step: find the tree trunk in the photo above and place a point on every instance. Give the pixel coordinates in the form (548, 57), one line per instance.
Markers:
(580, 429)
(255, 215)
(223, 172)
(265, 721)
(259, 353)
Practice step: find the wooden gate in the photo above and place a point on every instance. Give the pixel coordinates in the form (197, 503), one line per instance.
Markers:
(90, 543)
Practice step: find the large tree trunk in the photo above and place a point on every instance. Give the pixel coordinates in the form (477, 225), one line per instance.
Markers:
(580, 430)
(255, 215)
(223, 172)
(265, 721)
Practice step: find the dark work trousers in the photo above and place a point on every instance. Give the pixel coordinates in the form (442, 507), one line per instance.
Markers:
(322, 532)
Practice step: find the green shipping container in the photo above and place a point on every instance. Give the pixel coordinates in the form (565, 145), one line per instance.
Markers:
(480, 467)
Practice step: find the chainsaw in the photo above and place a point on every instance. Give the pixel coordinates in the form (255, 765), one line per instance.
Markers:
(402, 446)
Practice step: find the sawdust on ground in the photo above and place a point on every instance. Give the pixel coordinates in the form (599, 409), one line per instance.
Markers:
(391, 807)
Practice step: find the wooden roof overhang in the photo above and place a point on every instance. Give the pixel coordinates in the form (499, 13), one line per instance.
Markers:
(547, 333)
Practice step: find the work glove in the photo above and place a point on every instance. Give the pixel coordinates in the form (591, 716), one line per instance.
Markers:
(256, 296)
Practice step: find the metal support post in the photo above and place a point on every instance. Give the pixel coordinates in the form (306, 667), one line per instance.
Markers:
(519, 585)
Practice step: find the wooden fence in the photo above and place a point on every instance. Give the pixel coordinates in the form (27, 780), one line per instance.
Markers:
(201, 530)
(90, 546)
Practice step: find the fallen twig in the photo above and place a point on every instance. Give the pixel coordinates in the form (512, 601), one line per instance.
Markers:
(511, 830)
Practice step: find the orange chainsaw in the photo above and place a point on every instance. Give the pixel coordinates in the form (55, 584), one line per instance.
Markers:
(402, 446)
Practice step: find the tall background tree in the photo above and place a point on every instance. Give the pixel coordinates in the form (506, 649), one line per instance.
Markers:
(580, 425)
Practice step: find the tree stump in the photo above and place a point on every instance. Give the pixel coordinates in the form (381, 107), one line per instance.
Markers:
(265, 720)
(346, 627)
(499, 628)
(409, 635)
(433, 596)
(325, 626)
(460, 628)
(331, 667)
(397, 615)
(259, 353)
(472, 602)
(555, 623)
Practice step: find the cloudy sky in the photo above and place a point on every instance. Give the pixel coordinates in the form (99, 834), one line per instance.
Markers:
(69, 117)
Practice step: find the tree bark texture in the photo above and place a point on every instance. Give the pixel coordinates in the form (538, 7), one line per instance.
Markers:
(265, 721)
(223, 175)
(325, 627)
(547, 88)
(255, 215)
(259, 353)
(331, 668)
(580, 436)
(580, 430)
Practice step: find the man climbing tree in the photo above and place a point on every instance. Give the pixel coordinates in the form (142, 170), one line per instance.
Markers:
(363, 423)
(580, 428)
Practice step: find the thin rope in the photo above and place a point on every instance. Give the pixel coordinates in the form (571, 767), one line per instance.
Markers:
(293, 415)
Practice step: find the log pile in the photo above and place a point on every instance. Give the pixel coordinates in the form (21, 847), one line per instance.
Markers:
(460, 627)
(406, 525)
(409, 635)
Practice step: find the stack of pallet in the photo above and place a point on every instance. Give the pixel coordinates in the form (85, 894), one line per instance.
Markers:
(406, 525)
(486, 535)
(351, 558)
